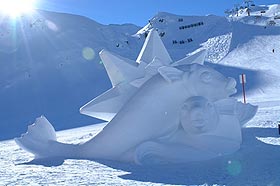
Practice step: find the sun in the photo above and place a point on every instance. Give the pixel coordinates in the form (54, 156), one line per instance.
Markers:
(15, 8)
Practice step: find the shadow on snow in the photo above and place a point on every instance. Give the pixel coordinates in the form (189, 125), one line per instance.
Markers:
(255, 163)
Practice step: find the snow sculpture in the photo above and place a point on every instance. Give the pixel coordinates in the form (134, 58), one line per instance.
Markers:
(207, 130)
(157, 112)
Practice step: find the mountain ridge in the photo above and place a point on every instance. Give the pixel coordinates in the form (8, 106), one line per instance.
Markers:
(53, 67)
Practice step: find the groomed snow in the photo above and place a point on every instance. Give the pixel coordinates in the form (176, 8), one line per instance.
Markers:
(257, 163)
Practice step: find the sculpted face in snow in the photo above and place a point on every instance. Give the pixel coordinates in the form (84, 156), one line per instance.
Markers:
(154, 103)
(198, 115)
(207, 130)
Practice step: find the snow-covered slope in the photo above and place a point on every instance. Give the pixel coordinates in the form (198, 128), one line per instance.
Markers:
(257, 48)
(255, 45)
(50, 63)
(184, 34)
(263, 15)
(238, 46)
(235, 45)
(256, 163)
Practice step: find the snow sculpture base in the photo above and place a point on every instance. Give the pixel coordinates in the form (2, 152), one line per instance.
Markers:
(157, 112)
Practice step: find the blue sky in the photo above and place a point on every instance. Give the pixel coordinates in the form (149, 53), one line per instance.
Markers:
(139, 12)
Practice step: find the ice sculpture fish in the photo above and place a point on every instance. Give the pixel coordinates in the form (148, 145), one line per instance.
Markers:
(144, 104)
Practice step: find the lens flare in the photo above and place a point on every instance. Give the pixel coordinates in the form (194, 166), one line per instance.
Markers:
(51, 25)
(15, 8)
(88, 53)
(234, 168)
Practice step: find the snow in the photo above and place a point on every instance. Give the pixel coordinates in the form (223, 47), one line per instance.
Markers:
(257, 163)
(208, 125)
(49, 60)
(249, 45)
(217, 47)
(68, 69)
(261, 15)
(212, 26)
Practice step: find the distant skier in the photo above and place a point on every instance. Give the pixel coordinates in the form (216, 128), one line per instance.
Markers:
(273, 50)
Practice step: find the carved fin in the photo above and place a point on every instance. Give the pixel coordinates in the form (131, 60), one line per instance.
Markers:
(197, 58)
(120, 69)
(109, 103)
(230, 106)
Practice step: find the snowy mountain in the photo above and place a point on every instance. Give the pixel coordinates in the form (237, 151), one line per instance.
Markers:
(236, 45)
(184, 34)
(262, 15)
(50, 63)
(53, 74)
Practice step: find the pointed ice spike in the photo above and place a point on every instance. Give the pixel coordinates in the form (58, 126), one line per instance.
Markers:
(120, 69)
(153, 47)
(198, 58)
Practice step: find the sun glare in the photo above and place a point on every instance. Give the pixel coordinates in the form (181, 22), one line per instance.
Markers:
(15, 8)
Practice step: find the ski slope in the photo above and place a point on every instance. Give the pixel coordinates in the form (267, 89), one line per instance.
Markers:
(234, 46)
(256, 163)
(51, 69)
(50, 64)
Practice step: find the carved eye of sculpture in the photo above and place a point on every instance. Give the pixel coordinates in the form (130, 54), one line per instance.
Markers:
(206, 77)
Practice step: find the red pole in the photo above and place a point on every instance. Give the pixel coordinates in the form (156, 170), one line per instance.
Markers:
(243, 89)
